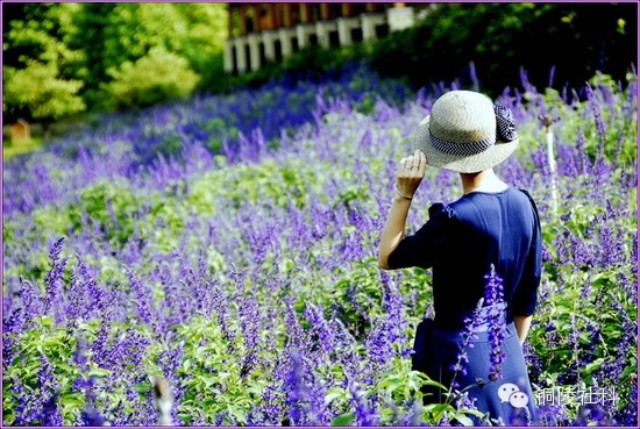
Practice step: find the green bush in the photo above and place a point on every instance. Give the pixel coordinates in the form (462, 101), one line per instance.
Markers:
(159, 76)
(37, 64)
(38, 86)
(500, 39)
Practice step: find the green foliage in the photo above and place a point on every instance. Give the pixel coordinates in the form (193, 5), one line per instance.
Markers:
(210, 373)
(9, 150)
(158, 76)
(577, 122)
(37, 63)
(592, 307)
(495, 37)
(111, 207)
(38, 87)
(44, 341)
(501, 38)
(98, 55)
(62, 58)
(214, 79)
(179, 41)
(286, 184)
(356, 299)
(204, 40)
(569, 313)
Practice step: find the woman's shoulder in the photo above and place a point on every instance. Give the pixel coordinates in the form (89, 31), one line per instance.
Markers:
(531, 201)
(442, 212)
(528, 195)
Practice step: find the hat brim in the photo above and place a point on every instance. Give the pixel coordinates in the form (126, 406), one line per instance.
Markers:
(467, 164)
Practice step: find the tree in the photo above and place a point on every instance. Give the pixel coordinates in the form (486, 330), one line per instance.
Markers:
(118, 36)
(501, 38)
(158, 76)
(60, 59)
(204, 41)
(36, 78)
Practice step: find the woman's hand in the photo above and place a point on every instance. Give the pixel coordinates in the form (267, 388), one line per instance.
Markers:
(410, 173)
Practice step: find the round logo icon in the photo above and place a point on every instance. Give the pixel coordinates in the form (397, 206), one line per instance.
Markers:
(518, 399)
(506, 390)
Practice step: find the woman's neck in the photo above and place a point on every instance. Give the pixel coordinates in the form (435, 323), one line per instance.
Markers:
(484, 181)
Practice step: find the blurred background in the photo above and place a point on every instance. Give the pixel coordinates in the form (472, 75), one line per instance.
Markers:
(65, 64)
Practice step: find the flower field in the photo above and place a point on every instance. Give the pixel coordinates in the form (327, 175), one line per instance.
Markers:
(230, 245)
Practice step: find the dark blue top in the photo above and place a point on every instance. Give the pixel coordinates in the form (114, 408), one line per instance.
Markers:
(461, 241)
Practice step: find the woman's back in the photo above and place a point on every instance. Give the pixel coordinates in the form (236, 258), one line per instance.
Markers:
(462, 240)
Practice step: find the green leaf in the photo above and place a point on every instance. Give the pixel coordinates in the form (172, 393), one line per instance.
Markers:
(65, 367)
(99, 373)
(463, 419)
(73, 403)
(473, 412)
(437, 410)
(344, 419)
(186, 364)
(333, 394)
(628, 371)
(433, 383)
(142, 387)
(596, 364)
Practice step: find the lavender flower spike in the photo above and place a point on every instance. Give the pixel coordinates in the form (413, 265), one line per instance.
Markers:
(494, 297)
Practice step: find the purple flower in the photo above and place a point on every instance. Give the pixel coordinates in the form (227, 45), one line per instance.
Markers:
(412, 416)
(472, 326)
(51, 415)
(474, 77)
(597, 114)
(494, 299)
(299, 399)
(366, 415)
(552, 74)
(53, 278)
(91, 417)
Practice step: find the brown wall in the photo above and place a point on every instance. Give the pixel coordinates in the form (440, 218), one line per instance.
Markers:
(255, 17)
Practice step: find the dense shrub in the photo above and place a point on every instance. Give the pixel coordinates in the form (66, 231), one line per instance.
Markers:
(156, 77)
(37, 62)
(60, 58)
(501, 38)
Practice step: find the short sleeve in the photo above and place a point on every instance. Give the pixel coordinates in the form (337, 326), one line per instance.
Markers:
(420, 249)
(526, 295)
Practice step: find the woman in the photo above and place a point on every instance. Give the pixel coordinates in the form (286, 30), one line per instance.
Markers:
(491, 224)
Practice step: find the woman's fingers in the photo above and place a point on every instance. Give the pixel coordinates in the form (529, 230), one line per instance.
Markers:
(423, 163)
(404, 168)
(409, 162)
(401, 166)
(413, 166)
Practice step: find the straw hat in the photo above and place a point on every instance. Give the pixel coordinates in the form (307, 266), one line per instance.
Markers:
(466, 133)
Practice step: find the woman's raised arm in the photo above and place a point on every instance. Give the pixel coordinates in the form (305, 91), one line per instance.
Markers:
(410, 173)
